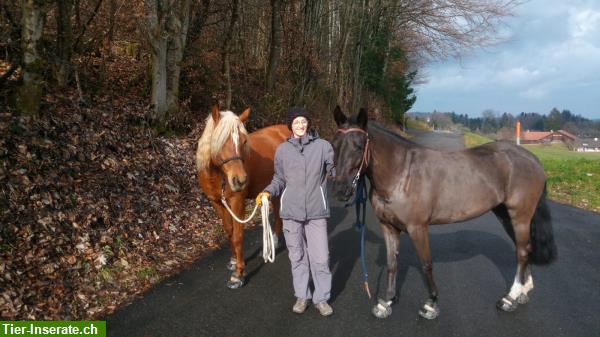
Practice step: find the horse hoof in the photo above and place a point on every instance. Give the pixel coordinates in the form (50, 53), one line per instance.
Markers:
(383, 309)
(231, 265)
(235, 282)
(523, 299)
(507, 304)
(430, 310)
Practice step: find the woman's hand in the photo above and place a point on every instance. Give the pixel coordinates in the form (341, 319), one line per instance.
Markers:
(260, 195)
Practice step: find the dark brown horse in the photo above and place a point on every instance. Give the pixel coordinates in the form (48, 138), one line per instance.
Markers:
(413, 187)
(236, 165)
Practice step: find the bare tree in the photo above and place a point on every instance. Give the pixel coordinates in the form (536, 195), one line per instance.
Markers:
(64, 41)
(274, 50)
(226, 52)
(32, 24)
(168, 22)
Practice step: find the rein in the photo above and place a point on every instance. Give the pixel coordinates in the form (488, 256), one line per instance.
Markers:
(360, 203)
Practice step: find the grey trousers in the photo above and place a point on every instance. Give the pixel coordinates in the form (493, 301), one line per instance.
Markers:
(308, 251)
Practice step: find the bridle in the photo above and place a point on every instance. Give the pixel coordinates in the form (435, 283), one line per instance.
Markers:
(365, 157)
(225, 161)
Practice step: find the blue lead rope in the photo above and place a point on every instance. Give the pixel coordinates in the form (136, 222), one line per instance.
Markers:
(360, 204)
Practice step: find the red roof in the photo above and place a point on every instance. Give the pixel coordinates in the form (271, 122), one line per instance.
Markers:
(566, 134)
(539, 135)
(535, 135)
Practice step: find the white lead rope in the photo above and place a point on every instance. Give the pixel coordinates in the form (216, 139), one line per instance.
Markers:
(269, 240)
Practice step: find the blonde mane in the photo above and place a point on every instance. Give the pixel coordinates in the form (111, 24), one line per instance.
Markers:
(213, 138)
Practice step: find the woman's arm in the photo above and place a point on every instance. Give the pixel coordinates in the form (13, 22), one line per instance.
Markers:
(329, 160)
(278, 182)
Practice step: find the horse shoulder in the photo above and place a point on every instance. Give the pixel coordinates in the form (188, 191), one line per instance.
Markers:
(210, 183)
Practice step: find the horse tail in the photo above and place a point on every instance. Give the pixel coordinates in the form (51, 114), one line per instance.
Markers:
(543, 247)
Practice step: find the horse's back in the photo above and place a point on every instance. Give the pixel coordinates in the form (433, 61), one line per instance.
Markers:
(480, 177)
(259, 163)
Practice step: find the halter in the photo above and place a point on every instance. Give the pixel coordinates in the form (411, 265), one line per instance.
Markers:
(365, 156)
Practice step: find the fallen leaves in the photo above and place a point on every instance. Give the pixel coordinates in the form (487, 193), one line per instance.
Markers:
(94, 208)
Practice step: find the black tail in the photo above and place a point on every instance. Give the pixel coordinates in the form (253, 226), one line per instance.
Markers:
(543, 247)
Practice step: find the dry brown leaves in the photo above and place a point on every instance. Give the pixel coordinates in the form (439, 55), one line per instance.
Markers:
(94, 209)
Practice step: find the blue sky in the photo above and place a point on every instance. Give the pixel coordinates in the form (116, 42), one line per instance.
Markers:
(550, 58)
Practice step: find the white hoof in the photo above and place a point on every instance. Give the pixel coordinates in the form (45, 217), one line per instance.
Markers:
(430, 310)
(383, 309)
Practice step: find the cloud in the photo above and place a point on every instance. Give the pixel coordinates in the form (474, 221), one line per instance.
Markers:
(551, 58)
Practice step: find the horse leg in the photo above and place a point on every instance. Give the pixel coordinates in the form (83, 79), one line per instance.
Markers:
(391, 235)
(419, 234)
(236, 279)
(501, 213)
(278, 227)
(523, 281)
(226, 222)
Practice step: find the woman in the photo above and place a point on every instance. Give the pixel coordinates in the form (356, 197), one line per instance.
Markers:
(302, 164)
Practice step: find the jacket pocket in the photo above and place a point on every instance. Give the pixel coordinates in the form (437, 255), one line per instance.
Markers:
(323, 197)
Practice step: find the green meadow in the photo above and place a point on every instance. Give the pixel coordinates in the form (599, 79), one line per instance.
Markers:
(573, 177)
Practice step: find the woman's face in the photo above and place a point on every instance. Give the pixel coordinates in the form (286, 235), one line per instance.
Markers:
(299, 126)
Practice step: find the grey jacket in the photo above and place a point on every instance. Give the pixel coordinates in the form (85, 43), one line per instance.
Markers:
(301, 169)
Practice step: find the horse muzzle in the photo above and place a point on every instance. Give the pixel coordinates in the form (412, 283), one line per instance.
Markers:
(343, 191)
(238, 183)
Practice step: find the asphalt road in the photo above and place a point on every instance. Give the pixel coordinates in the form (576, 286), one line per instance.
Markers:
(473, 267)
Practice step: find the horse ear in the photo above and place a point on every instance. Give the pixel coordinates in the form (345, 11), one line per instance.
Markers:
(339, 116)
(216, 115)
(244, 116)
(363, 118)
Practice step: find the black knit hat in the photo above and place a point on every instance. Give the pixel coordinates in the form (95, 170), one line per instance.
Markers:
(294, 112)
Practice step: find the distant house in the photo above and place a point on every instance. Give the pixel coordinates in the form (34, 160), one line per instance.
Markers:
(539, 137)
(587, 145)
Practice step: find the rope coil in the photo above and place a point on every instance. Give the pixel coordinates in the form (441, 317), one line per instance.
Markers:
(269, 240)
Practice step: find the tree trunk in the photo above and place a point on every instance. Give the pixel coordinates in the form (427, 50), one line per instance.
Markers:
(32, 24)
(196, 26)
(226, 68)
(177, 26)
(159, 81)
(111, 26)
(158, 40)
(274, 53)
(64, 39)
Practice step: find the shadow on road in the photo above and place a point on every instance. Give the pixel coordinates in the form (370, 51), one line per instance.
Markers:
(456, 246)
(344, 254)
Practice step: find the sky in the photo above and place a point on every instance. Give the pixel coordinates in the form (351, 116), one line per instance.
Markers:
(550, 58)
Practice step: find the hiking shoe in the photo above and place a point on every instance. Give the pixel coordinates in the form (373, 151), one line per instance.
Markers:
(324, 308)
(300, 305)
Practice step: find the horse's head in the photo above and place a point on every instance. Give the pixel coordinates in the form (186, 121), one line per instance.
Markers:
(351, 151)
(224, 144)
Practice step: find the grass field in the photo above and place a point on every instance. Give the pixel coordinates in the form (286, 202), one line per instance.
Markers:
(573, 177)
(473, 139)
(416, 124)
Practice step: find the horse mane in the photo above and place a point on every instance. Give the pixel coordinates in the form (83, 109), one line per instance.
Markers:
(213, 137)
(390, 133)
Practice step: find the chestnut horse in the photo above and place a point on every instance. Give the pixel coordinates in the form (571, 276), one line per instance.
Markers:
(236, 165)
(413, 187)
